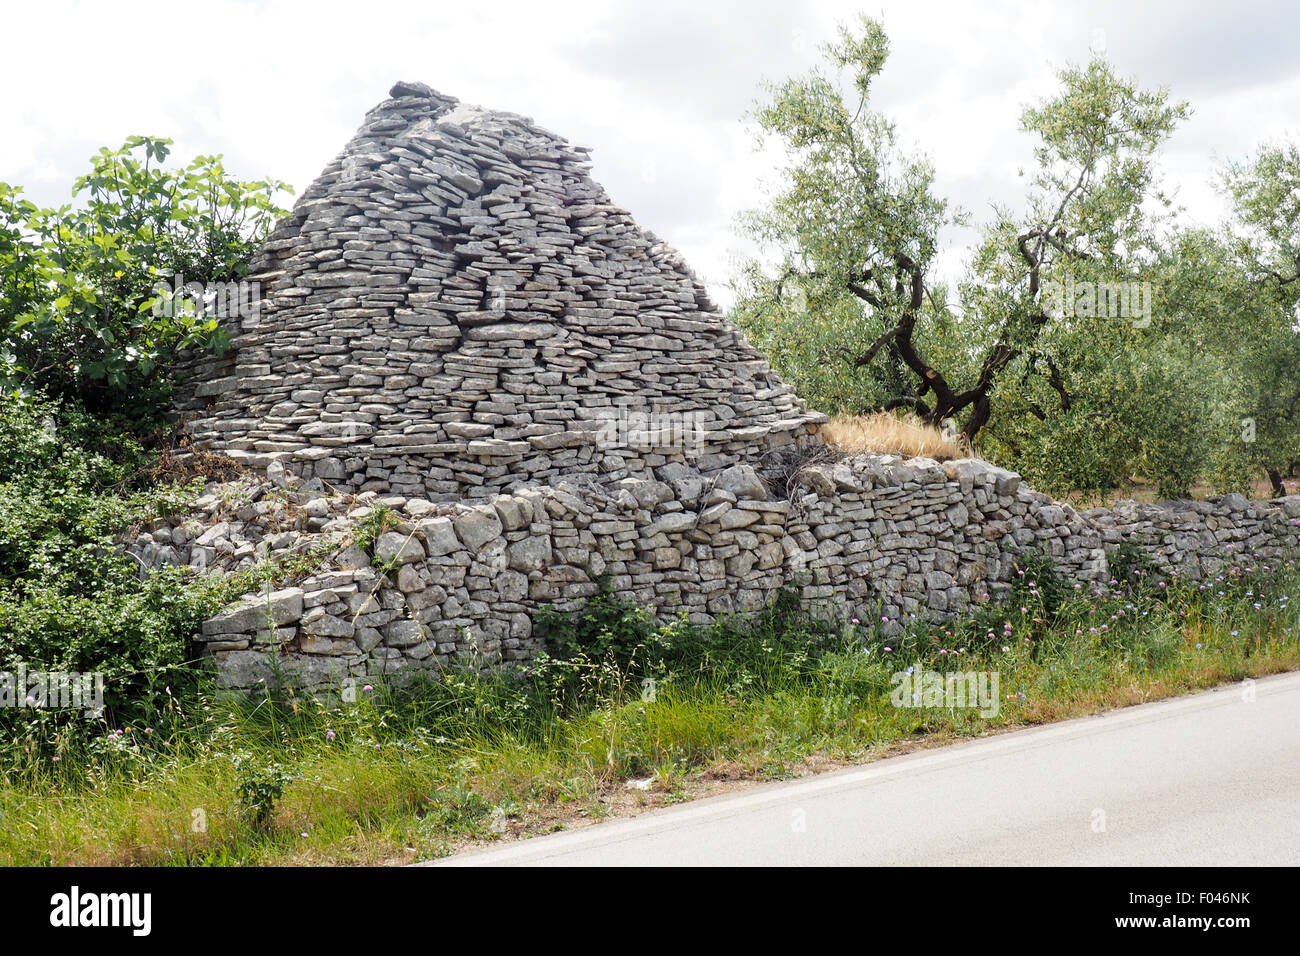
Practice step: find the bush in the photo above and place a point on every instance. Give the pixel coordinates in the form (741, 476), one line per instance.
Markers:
(607, 628)
(71, 600)
(1038, 581)
(86, 304)
(88, 331)
(1130, 566)
(614, 648)
(259, 784)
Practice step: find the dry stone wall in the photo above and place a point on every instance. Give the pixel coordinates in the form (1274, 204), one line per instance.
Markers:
(1200, 539)
(460, 583)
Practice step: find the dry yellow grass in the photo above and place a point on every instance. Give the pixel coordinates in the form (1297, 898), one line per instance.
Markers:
(886, 433)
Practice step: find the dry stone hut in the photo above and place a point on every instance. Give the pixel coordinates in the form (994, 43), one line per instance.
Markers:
(455, 307)
(457, 323)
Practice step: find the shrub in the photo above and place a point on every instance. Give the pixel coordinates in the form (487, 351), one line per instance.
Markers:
(84, 307)
(1130, 566)
(608, 627)
(259, 784)
(612, 648)
(71, 600)
(1037, 581)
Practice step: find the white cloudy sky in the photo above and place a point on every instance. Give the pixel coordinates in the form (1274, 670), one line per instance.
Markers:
(658, 89)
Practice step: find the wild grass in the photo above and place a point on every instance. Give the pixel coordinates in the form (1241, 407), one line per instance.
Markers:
(890, 433)
(402, 775)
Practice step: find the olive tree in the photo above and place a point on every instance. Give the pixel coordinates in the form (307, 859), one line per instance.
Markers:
(846, 303)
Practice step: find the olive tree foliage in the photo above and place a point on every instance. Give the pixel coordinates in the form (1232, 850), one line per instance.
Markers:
(1262, 331)
(1070, 292)
(80, 285)
(1223, 403)
(845, 313)
(1208, 388)
(850, 311)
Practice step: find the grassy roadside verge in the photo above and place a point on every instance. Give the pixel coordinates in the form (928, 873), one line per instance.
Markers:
(397, 777)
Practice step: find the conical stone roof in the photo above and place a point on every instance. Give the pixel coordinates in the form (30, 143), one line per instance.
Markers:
(454, 307)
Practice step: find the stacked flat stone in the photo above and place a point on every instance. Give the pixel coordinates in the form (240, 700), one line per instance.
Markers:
(1201, 539)
(870, 536)
(455, 308)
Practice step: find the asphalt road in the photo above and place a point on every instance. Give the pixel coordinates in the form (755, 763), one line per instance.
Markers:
(1209, 779)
